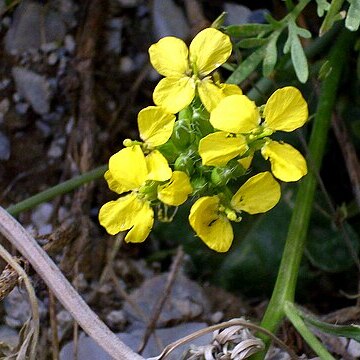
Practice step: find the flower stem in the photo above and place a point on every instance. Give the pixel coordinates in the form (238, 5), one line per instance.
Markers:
(56, 190)
(284, 289)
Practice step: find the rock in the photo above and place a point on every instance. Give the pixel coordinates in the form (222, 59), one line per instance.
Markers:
(4, 147)
(17, 308)
(89, 350)
(185, 302)
(165, 25)
(70, 44)
(33, 24)
(34, 88)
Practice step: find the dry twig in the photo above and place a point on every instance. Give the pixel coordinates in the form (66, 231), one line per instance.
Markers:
(62, 289)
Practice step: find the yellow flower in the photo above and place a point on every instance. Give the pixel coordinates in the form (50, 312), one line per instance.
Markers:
(210, 219)
(286, 110)
(129, 170)
(187, 71)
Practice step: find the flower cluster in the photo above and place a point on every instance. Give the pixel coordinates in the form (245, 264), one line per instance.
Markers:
(198, 142)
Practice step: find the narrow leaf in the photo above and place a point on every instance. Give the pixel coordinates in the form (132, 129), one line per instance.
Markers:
(352, 21)
(247, 67)
(270, 56)
(246, 30)
(348, 331)
(251, 43)
(299, 60)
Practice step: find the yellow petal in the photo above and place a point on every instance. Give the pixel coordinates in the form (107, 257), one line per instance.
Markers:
(210, 94)
(211, 227)
(235, 114)
(287, 164)
(128, 168)
(209, 49)
(230, 89)
(155, 125)
(174, 94)
(113, 184)
(119, 215)
(142, 224)
(286, 110)
(176, 191)
(158, 167)
(218, 148)
(169, 57)
(246, 161)
(259, 194)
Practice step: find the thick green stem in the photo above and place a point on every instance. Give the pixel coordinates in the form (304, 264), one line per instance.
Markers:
(56, 190)
(288, 272)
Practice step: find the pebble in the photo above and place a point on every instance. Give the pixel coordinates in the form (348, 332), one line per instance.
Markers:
(69, 43)
(40, 217)
(22, 108)
(116, 319)
(52, 58)
(4, 83)
(4, 147)
(34, 88)
(56, 148)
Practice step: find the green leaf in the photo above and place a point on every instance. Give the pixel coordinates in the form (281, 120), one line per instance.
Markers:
(251, 43)
(352, 21)
(270, 56)
(326, 246)
(322, 7)
(247, 66)
(299, 60)
(247, 30)
(348, 331)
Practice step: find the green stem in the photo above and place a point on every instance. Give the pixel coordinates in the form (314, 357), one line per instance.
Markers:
(292, 314)
(56, 190)
(285, 285)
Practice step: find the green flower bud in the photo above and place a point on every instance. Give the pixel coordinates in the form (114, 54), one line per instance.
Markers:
(220, 176)
(181, 136)
(198, 184)
(185, 163)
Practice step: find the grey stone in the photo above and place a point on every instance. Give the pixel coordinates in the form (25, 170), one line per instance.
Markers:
(186, 300)
(8, 336)
(34, 88)
(166, 24)
(32, 26)
(89, 350)
(42, 214)
(236, 14)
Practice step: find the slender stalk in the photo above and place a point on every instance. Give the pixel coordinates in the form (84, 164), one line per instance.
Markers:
(56, 190)
(299, 324)
(288, 272)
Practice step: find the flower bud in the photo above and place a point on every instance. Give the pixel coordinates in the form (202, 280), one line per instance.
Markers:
(185, 163)
(198, 184)
(220, 176)
(181, 136)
